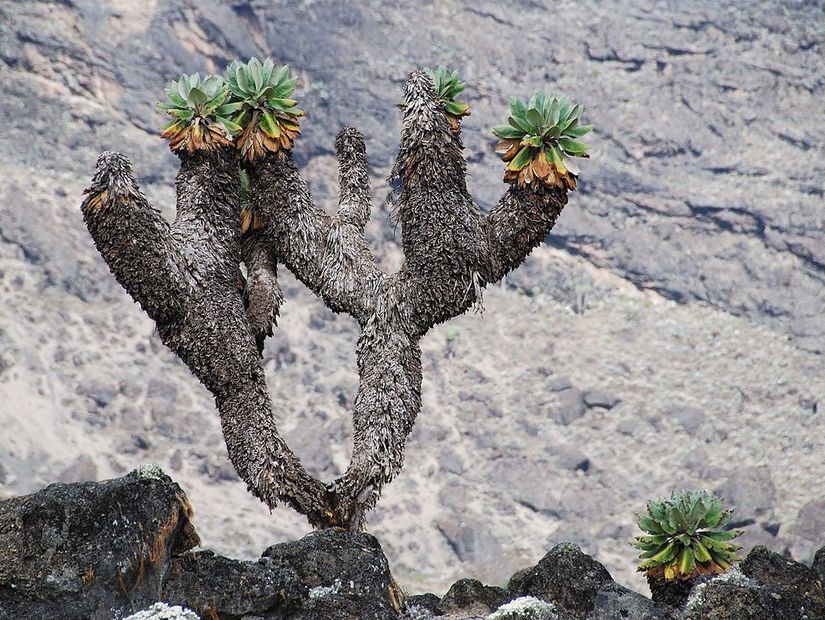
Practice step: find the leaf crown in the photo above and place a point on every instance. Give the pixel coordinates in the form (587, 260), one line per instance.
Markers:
(685, 536)
(448, 86)
(200, 113)
(261, 95)
(540, 140)
(252, 103)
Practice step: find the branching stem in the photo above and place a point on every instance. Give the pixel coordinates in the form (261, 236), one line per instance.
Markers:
(187, 277)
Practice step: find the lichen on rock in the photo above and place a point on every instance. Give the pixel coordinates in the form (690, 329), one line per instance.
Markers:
(162, 611)
(149, 471)
(526, 608)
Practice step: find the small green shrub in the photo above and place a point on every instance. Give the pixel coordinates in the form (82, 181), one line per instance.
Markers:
(685, 536)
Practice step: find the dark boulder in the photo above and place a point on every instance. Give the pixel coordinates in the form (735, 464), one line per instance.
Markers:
(617, 602)
(470, 597)
(726, 600)
(347, 574)
(91, 550)
(787, 579)
(566, 577)
(211, 584)
(422, 602)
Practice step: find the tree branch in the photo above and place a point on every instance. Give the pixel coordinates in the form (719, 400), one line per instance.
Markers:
(444, 249)
(354, 197)
(262, 293)
(328, 254)
(116, 214)
(451, 251)
(520, 222)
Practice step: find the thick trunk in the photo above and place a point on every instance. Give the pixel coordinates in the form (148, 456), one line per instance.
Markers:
(385, 408)
(189, 280)
(673, 593)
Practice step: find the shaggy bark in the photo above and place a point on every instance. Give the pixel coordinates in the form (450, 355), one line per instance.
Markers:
(188, 280)
(262, 293)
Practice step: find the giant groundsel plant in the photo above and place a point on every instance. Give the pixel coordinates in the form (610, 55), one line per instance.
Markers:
(209, 278)
(685, 536)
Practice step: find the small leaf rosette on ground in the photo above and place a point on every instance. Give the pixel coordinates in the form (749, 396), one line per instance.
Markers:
(262, 107)
(200, 114)
(685, 536)
(448, 86)
(540, 141)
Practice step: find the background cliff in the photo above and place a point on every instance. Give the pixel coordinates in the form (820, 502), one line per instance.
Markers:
(669, 334)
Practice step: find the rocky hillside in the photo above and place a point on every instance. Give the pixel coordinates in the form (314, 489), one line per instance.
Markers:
(669, 334)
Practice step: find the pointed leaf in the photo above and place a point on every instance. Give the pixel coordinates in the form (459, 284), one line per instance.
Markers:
(645, 522)
(579, 131)
(270, 126)
(558, 162)
(281, 74)
(507, 132)
(229, 108)
(244, 81)
(570, 164)
(182, 114)
(255, 71)
(573, 147)
(520, 123)
(701, 552)
(531, 141)
(517, 107)
(534, 118)
(197, 96)
(554, 112)
(576, 112)
(520, 160)
(564, 110)
(686, 561)
(456, 108)
(183, 88)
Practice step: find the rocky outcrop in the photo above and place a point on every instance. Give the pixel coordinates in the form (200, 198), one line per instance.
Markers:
(104, 550)
(82, 550)
(565, 576)
(108, 550)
